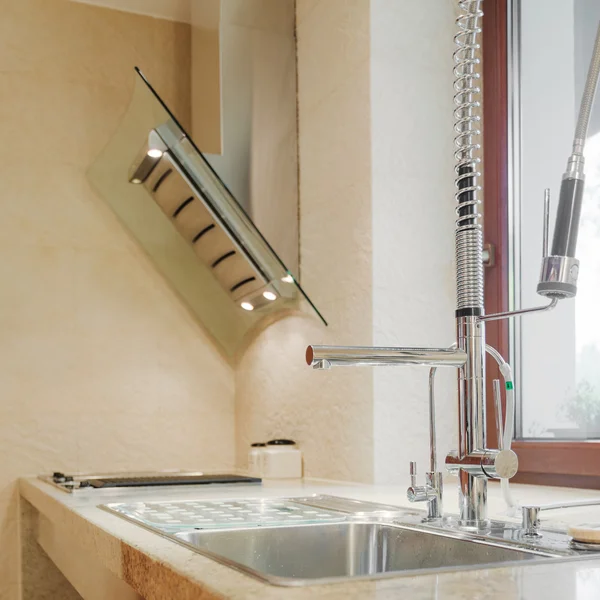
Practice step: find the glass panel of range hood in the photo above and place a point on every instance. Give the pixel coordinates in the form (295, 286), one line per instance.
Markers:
(199, 237)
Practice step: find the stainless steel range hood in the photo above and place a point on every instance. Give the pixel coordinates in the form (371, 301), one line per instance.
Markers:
(196, 233)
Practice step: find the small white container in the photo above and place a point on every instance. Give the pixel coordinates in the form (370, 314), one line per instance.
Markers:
(282, 459)
(256, 459)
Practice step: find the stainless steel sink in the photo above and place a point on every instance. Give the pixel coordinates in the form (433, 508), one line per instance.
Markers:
(318, 553)
(322, 539)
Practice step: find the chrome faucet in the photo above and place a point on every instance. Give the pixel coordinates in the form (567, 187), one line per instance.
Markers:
(473, 462)
(433, 490)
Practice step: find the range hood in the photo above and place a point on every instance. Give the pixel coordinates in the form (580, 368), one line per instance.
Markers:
(196, 233)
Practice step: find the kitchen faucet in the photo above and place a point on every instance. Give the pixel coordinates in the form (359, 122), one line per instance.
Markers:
(473, 462)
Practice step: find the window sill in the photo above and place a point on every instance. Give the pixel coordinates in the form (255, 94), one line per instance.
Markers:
(558, 463)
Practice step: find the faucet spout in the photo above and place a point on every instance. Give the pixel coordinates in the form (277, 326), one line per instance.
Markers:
(320, 357)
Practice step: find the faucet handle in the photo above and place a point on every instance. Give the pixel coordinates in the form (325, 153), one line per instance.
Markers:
(416, 493)
(431, 492)
(413, 473)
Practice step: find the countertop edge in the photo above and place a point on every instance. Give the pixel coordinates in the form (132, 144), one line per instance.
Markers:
(146, 574)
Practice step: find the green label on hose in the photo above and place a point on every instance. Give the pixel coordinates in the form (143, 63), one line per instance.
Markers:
(509, 385)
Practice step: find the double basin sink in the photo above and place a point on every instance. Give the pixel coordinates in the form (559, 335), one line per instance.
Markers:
(351, 540)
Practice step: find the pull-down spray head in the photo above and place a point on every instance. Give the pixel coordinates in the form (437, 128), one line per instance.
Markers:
(560, 269)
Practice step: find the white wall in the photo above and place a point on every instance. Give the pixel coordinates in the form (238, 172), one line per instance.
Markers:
(413, 221)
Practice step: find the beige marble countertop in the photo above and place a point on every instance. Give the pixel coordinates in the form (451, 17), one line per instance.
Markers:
(158, 568)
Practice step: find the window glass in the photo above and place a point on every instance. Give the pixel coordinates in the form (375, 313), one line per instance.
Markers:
(556, 354)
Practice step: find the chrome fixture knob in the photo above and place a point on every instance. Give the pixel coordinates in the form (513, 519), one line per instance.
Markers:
(413, 473)
(530, 520)
(431, 492)
(530, 513)
(490, 464)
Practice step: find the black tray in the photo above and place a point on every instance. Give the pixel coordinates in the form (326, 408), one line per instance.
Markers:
(149, 480)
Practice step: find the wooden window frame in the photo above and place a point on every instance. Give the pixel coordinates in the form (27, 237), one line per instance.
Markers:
(544, 462)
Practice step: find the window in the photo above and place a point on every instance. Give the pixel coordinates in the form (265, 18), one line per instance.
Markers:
(535, 56)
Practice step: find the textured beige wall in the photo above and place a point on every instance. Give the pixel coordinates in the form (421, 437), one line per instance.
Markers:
(329, 413)
(206, 117)
(102, 366)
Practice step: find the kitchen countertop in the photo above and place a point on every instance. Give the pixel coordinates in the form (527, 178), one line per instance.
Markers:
(156, 567)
